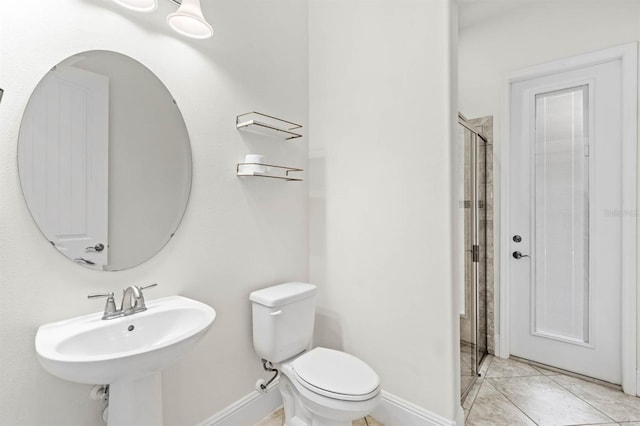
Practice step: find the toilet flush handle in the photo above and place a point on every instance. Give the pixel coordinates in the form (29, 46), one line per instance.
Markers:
(275, 313)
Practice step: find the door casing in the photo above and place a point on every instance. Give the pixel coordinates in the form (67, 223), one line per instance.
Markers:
(628, 54)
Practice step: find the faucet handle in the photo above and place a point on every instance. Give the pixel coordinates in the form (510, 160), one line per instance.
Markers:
(96, 295)
(109, 307)
(144, 287)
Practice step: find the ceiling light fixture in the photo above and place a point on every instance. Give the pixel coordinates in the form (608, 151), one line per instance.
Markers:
(188, 20)
(139, 5)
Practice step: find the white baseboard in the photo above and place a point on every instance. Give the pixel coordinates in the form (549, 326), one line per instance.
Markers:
(497, 345)
(460, 417)
(395, 411)
(392, 411)
(248, 410)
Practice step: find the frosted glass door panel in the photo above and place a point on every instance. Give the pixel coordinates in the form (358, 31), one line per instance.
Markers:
(561, 212)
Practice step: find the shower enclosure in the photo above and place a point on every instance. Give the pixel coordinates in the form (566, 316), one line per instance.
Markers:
(472, 266)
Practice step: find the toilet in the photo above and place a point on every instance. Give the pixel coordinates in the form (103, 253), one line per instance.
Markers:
(319, 386)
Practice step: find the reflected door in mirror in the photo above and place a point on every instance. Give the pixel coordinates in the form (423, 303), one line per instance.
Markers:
(65, 170)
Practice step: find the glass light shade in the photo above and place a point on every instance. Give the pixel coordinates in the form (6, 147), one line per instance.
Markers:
(189, 21)
(139, 5)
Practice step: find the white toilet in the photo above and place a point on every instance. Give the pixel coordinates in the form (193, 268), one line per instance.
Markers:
(320, 386)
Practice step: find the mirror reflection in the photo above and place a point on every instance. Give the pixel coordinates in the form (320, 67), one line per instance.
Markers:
(104, 160)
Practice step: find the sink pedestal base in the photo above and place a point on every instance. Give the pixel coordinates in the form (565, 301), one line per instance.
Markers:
(136, 401)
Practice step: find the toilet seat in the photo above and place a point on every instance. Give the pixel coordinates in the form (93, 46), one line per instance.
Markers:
(336, 374)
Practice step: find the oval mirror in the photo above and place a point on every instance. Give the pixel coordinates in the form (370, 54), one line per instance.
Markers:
(104, 160)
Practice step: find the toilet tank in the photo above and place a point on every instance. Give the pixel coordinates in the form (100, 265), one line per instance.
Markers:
(283, 317)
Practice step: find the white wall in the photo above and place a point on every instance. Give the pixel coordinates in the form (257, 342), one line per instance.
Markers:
(381, 120)
(512, 38)
(237, 234)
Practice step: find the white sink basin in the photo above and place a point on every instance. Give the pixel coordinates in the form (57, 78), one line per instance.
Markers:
(91, 350)
(126, 352)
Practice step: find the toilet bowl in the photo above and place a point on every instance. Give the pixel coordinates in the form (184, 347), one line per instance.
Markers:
(335, 387)
(319, 386)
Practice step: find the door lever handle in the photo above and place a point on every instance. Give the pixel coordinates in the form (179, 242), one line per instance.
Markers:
(97, 247)
(518, 255)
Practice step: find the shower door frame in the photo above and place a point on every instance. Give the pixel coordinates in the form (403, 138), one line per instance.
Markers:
(475, 241)
(628, 54)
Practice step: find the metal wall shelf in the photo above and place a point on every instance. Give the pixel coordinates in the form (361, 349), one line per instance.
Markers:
(257, 122)
(267, 173)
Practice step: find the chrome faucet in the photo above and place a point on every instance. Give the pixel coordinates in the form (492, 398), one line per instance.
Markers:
(132, 302)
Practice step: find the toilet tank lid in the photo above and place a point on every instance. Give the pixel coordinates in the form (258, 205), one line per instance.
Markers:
(283, 294)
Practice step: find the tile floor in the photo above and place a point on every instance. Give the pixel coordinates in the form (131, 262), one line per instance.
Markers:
(277, 419)
(513, 392)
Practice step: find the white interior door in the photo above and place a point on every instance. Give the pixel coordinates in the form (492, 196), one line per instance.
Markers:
(565, 207)
(65, 170)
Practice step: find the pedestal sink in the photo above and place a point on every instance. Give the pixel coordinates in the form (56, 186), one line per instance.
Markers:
(127, 353)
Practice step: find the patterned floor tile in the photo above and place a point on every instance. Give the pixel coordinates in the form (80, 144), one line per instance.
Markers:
(510, 368)
(274, 419)
(492, 408)
(546, 402)
(277, 419)
(612, 402)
